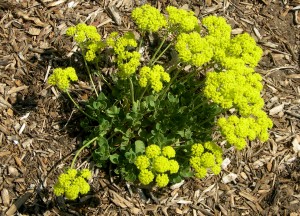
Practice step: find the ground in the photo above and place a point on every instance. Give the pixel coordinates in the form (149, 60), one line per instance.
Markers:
(39, 132)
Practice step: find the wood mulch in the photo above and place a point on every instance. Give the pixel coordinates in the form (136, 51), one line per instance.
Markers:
(38, 132)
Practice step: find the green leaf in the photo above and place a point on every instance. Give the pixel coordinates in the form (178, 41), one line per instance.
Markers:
(101, 154)
(186, 173)
(114, 158)
(172, 99)
(130, 156)
(139, 147)
(130, 177)
(112, 111)
(104, 126)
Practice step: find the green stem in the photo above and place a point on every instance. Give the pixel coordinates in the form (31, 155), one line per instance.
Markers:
(131, 90)
(99, 73)
(142, 95)
(162, 53)
(199, 105)
(89, 72)
(80, 150)
(169, 84)
(158, 49)
(78, 107)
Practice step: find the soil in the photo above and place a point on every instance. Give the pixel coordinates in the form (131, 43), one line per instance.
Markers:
(39, 130)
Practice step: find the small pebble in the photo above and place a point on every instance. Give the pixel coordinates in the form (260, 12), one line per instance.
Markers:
(13, 171)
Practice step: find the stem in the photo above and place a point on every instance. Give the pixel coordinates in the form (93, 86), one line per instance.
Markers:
(89, 72)
(107, 83)
(146, 88)
(158, 49)
(78, 107)
(169, 84)
(131, 90)
(82, 147)
(162, 53)
(199, 105)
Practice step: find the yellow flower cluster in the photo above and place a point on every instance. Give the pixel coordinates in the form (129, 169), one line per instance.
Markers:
(182, 20)
(82, 32)
(236, 84)
(193, 49)
(237, 129)
(154, 76)
(206, 156)
(61, 77)
(88, 35)
(239, 89)
(148, 18)
(244, 47)
(155, 164)
(218, 35)
(127, 61)
(73, 183)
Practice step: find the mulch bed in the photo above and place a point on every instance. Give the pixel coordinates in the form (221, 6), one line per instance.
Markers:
(39, 132)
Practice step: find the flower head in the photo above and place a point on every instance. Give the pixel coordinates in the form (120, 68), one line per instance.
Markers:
(153, 151)
(62, 77)
(173, 166)
(154, 76)
(180, 20)
(168, 151)
(72, 183)
(146, 177)
(161, 164)
(148, 18)
(162, 180)
(142, 162)
(193, 49)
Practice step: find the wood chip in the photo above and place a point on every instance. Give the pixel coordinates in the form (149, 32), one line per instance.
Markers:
(34, 31)
(5, 197)
(248, 196)
(276, 109)
(296, 145)
(37, 21)
(53, 4)
(4, 153)
(113, 11)
(17, 89)
(18, 203)
(120, 201)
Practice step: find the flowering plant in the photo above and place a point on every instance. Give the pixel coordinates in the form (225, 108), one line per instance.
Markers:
(153, 117)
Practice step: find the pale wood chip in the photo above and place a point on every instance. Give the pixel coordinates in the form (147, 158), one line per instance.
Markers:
(248, 196)
(113, 11)
(17, 89)
(53, 4)
(5, 197)
(37, 21)
(34, 31)
(120, 201)
(276, 109)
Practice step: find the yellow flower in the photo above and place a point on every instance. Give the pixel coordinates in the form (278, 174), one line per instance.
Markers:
(142, 162)
(161, 164)
(168, 151)
(174, 166)
(193, 49)
(148, 18)
(61, 77)
(162, 180)
(182, 20)
(152, 151)
(154, 76)
(146, 177)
